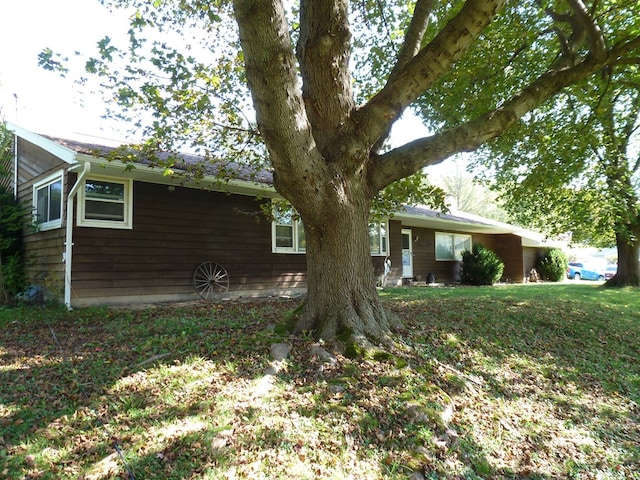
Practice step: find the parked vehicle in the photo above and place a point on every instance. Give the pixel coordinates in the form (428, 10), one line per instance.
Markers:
(610, 271)
(579, 271)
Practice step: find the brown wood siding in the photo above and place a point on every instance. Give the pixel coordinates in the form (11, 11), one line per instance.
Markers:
(507, 247)
(44, 250)
(532, 256)
(174, 230)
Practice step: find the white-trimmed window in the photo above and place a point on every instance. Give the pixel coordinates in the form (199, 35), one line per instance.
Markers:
(449, 246)
(379, 238)
(288, 234)
(106, 203)
(47, 202)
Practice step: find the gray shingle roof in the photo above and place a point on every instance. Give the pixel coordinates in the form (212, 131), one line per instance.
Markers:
(184, 161)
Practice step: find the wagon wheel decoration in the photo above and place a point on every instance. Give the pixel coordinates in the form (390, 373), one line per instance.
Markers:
(209, 279)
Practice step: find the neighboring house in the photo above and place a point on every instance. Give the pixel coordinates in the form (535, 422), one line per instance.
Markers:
(111, 234)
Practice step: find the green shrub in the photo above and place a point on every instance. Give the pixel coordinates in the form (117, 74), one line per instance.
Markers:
(480, 266)
(13, 220)
(553, 266)
(12, 268)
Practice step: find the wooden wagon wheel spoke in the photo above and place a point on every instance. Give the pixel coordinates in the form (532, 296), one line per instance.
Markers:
(210, 279)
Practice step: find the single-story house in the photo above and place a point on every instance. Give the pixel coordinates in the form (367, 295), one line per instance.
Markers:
(111, 234)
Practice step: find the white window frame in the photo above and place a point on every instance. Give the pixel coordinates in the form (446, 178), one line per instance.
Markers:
(46, 183)
(383, 249)
(126, 223)
(296, 229)
(455, 238)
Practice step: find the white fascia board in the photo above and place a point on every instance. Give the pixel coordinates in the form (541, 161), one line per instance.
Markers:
(491, 227)
(453, 225)
(63, 153)
(146, 173)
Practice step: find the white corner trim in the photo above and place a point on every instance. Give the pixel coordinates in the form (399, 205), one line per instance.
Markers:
(63, 153)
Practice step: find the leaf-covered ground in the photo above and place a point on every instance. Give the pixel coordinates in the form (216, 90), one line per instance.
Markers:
(536, 381)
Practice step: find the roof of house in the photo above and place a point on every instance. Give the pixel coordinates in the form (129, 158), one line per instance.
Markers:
(184, 161)
(232, 177)
(456, 220)
(249, 181)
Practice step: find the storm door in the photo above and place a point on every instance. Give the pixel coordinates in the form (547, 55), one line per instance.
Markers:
(407, 254)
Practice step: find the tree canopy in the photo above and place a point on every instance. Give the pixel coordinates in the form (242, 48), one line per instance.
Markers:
(315, 87)
(574, 166)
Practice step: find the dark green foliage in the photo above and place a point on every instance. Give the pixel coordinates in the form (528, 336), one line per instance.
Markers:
(480, 266)
(13, 218)
(12, 222)
(553, 266)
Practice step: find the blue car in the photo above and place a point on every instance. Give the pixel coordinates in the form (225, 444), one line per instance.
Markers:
(577, 271)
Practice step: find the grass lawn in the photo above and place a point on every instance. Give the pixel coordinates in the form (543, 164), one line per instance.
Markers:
(510, 382)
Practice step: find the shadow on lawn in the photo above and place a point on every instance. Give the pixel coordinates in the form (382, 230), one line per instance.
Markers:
(70, 389)
(576, 365)
(122, 376)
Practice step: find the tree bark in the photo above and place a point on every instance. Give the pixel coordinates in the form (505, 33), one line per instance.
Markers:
(342, 301)
(628, 245)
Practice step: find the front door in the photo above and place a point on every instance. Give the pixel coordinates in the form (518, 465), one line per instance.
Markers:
(407, 254)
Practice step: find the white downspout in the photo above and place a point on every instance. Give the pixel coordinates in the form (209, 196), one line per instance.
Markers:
(15, 165)
(68, 250)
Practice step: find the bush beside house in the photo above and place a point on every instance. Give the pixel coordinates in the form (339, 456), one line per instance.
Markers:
(480, 266)
(13, 221)
(553, 265)
(12, 266)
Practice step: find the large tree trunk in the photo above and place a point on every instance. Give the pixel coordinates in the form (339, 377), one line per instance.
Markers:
(627, 218)
(342, 301)
(628, 244)
(324, 149)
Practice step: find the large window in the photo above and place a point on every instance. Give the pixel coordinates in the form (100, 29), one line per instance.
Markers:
(105, 203)
(288, 234)
(47, 202)
(449, 246)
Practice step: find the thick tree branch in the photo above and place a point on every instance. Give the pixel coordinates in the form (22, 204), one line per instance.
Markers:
(272, 76)
(592, 31)
(414, 35)
(412, 157)
(423, 70)
(410, 48)
(323, 53)
(584, 29)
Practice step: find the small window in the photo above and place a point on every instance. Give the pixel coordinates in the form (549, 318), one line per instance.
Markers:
(47, 199)
(378, 240)
(449, 246)
(105, 203)
(288, 232)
